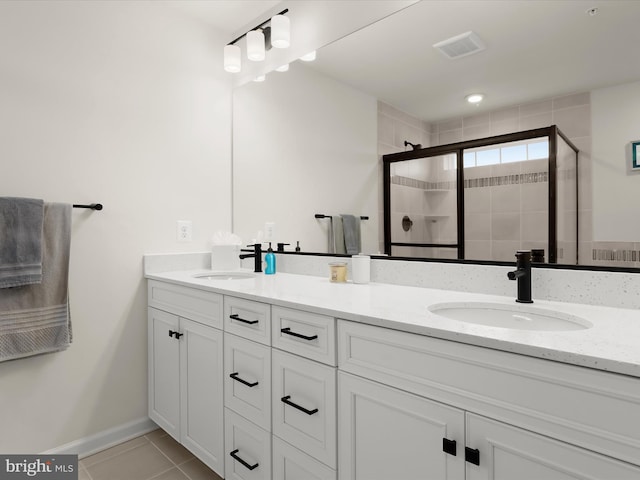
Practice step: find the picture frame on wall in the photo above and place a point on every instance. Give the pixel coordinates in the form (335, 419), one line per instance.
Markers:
(634, 156)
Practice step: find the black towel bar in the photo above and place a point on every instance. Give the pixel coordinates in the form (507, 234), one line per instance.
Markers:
(93, 206)
(321, 215)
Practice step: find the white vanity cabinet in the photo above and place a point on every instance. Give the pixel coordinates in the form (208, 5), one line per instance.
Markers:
(407, 398)
(185, 368)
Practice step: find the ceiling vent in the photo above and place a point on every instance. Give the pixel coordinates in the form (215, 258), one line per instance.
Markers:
(461, 45)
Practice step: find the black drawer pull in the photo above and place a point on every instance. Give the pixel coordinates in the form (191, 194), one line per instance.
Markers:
(472, 455)
(449, 446)
(235, 376)
(176, 335)
(295, 405)
(236, 457)
(299, 335)
(236, 317)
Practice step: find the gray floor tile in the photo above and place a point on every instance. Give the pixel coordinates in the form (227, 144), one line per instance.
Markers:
(196, 470)
(140, 463)
(172, 449)
(113, 451)
(151, 436)
(173, 474)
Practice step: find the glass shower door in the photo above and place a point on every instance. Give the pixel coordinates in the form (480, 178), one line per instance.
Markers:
(423, 207)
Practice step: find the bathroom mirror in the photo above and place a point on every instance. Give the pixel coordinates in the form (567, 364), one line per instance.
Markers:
(309, 141)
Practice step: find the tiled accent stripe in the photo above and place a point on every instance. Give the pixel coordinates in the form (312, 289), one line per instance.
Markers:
(415, 183)
(615, 255)
(522, 178)
(517, 179)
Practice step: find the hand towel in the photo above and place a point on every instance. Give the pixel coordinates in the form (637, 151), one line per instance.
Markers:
(351, 227)
(338, 235)
(34, 319)
(20, 241)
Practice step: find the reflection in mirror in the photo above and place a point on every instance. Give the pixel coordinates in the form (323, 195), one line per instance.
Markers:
(485, 199)
(311, 142)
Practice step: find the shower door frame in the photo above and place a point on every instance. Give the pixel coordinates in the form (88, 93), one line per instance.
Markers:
(551, 132)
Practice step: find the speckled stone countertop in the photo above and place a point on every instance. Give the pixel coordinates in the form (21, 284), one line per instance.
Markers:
(612, 343)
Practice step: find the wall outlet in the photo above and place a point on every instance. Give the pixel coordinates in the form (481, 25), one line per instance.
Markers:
(185, 231)
(269, 231)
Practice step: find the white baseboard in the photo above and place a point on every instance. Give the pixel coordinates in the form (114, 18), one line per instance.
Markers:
(83, 447)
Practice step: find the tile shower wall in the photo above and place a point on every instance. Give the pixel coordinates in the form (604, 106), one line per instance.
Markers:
(394, 127)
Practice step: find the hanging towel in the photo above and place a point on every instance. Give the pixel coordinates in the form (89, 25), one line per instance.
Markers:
(20, 241)
(338, 235)
(351, 227)
(34, 319)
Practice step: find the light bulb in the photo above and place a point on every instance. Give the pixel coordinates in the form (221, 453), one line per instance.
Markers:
(280, 31)
(474, 98)
(309, 57)
(283, 68)
(255, 46)
(232, 61)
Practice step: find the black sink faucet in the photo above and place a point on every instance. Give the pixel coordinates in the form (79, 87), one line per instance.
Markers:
(522, 273)
(257, 255)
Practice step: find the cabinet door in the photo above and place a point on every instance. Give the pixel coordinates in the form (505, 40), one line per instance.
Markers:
(164, 371)
(386, 433)
(304, 405)
(202, 398)
(507, 452)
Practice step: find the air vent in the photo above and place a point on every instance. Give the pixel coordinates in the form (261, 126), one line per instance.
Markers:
(461, 45)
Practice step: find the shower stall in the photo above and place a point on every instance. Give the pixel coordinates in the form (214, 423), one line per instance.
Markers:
(484, 199)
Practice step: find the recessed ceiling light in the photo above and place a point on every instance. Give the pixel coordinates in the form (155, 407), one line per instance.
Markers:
(474, 98)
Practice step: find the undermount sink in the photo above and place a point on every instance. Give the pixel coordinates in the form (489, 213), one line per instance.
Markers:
(225, 276)
(518, 317)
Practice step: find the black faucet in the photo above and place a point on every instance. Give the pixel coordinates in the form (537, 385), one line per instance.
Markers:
(257, 255)
(522, 273)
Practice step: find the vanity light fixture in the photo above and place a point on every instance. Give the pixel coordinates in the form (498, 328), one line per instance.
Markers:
(272, 32)
(309, 57)
(474, 98)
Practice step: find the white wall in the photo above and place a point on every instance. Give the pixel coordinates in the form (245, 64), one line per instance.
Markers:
(303, 144)
(126, 104)
(616, 193)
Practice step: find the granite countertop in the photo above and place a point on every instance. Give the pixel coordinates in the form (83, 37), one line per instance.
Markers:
(612, 343)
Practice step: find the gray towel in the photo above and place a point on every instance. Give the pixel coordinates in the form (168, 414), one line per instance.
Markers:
(35, 319)
(351, 227)
(337, 238)
(20, 241)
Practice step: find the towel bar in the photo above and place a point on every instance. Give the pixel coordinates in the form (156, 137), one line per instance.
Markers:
(320, 215)
(93, 206)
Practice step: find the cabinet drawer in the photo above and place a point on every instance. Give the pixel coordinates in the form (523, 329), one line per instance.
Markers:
(247, 373)
(191, 303)
(289, 463)
(554, 399)
(304, 405)
(248, 449)
(248, 319)
(304, 333)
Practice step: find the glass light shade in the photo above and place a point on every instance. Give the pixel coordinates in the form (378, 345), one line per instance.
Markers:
(309, 57)
(260, 78)
(255, 46)
(283, 68)
(280, 31)
(232, 61)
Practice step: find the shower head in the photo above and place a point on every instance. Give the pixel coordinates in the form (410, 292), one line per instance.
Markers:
(415, 146)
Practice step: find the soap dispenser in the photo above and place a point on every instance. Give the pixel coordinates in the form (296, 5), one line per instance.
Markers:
(270, 259)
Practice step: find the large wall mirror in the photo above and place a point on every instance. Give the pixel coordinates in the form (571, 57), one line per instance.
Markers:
(310, 141)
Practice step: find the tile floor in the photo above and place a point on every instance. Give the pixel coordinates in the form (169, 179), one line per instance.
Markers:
(155, 455)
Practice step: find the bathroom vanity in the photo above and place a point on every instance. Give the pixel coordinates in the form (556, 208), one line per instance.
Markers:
(293, 377)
